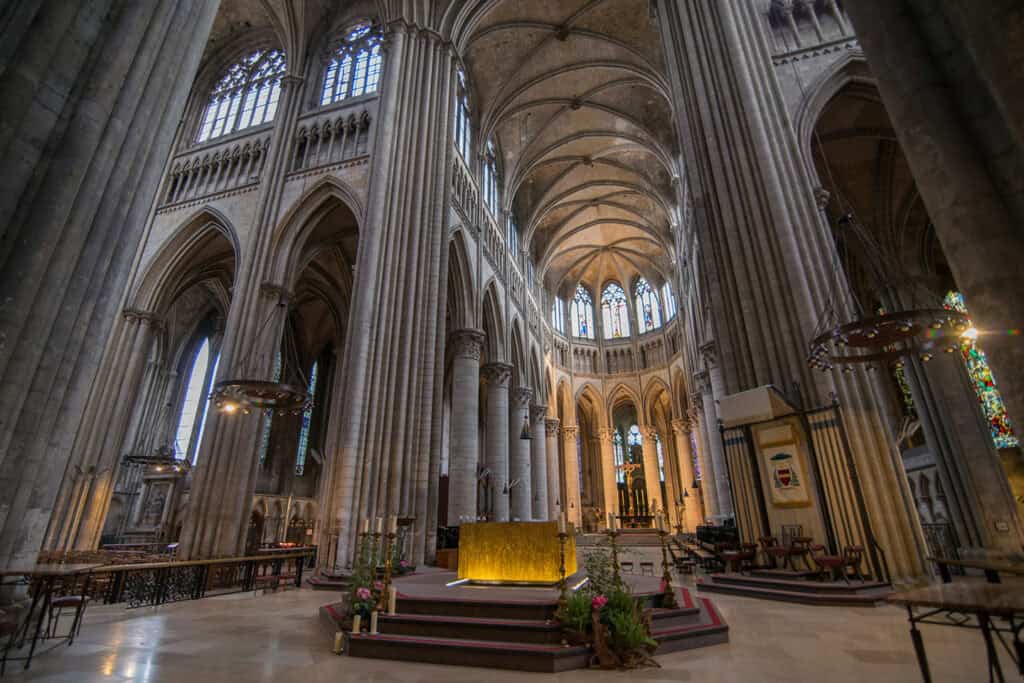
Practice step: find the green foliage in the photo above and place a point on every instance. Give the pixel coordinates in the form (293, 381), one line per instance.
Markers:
(598, 565)
(575, 614)
(627, 634)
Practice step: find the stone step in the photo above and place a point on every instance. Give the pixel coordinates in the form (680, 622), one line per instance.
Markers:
(472, 628)
(478, 609)
(853, 599)
(461, 652)
(798, 585)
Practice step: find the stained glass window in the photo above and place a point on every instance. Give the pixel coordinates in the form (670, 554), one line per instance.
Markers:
(620, 457)
(193, 402)
(558, 315)
(463, 132)
(984, 383)
(693, 455)
(512, 236)
(661, 457)
(307, 418)
(582, 313)
(579, 458)
(206, 408)
(490, 189)
(268, 417)
(355, 67)
(670, 301)
(648, 313)
(245, 96)
(614, 312)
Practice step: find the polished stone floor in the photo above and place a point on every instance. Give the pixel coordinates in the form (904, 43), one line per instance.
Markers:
(253, 638)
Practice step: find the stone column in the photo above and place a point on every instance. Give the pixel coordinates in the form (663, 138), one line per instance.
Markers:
(767, 257)
(555, 502)
(83, 146)
(497, 377)
(652, 480)
(391, 424)
(709, 492)
(714, 390)
(520, 495)
(539, 464)
(609, 487)
(571, 459)
(951, 84)
(465, 425)
(684, 461)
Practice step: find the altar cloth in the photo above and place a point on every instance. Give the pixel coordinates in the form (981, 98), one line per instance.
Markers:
(514, 552)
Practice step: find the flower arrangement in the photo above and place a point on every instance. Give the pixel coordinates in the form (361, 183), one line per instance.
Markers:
(605, 613)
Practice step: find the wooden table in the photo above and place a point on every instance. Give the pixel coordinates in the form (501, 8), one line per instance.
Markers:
(957, 603)
(41, 578)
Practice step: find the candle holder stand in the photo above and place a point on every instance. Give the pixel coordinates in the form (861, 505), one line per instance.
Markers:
(668, 600)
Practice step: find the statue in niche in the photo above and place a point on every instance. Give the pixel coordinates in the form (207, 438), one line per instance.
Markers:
(153, 512)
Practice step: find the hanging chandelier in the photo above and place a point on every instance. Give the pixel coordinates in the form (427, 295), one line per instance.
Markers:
(247, 395)
(888, 337)
(244, 395)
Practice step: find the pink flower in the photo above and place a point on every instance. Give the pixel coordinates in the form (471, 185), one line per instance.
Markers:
(403, 564)
(378, 586)
(363, 593)
(598, 602)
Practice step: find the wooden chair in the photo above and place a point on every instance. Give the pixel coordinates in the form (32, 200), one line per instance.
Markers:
(774, 551)
(57, 606)
(853, 556)
(828, 563)
(626, 567)
(646, 569)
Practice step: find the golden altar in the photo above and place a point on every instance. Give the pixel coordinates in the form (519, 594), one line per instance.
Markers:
(514, 552)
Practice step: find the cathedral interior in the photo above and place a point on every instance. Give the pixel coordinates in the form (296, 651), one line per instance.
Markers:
(306, 298)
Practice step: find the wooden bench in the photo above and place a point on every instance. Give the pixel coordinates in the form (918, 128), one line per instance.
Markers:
(992, 569)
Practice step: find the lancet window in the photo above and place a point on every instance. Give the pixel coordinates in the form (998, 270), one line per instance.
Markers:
(558, 315)
(670, 301)
(648, 312)
(619, 451)
(195, 403)
(355, 66)
(582, 314)
(614, 312)
(463, 131)
(490, 184)
(307, 419)
(245, 96)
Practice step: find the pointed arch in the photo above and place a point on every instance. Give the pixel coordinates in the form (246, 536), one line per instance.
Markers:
(172, 269)
(460, 283)
(493, 324)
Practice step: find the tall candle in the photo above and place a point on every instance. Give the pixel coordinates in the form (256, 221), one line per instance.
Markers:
(339, 639)
(366, 525)
(373, 623)
(610, 520)
(392, 599)
(393, 524)
(561, 523)
(379, 527)
(357, 622)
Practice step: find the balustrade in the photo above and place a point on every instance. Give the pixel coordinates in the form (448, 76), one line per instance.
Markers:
(330, 137)
(210, 169)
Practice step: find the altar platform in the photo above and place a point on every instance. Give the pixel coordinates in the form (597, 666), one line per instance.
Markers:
(513, 627)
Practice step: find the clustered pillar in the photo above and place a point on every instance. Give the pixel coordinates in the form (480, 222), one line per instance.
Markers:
(497, 377)
(520, 484)
(465, 425)
(539, 463)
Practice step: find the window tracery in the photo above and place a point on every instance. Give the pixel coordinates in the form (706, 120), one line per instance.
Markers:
(490, 187)
(355, 66)
(582, 313)
(620, 457)
(195, 403)
(614, 312)
(670, 301)
(307, 419)
(648, 312)
(558, 315)
(245, 96)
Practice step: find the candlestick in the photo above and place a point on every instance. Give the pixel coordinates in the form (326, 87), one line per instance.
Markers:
(339, 639)
(357, 622)
(392, 599)
(373, 623)
(366, 525)
(393, 524)
(668, 600)
(379, 526)
(561, 523)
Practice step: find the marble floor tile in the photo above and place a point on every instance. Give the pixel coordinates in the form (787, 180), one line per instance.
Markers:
(278, 638)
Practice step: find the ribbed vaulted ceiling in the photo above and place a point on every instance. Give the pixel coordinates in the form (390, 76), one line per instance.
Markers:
(573, 96)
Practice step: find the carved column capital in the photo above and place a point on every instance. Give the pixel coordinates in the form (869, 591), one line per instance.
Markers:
(606, 434)
(537, 413)
(569, 432)
(497, 373)
(649, 433)
(551, 425)
(520, 397)
(135, 315)
(709, 351)
(681, 425)
(696, 404)
(703, 382)
(467, 343)
(822, 197)
(273, 289)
